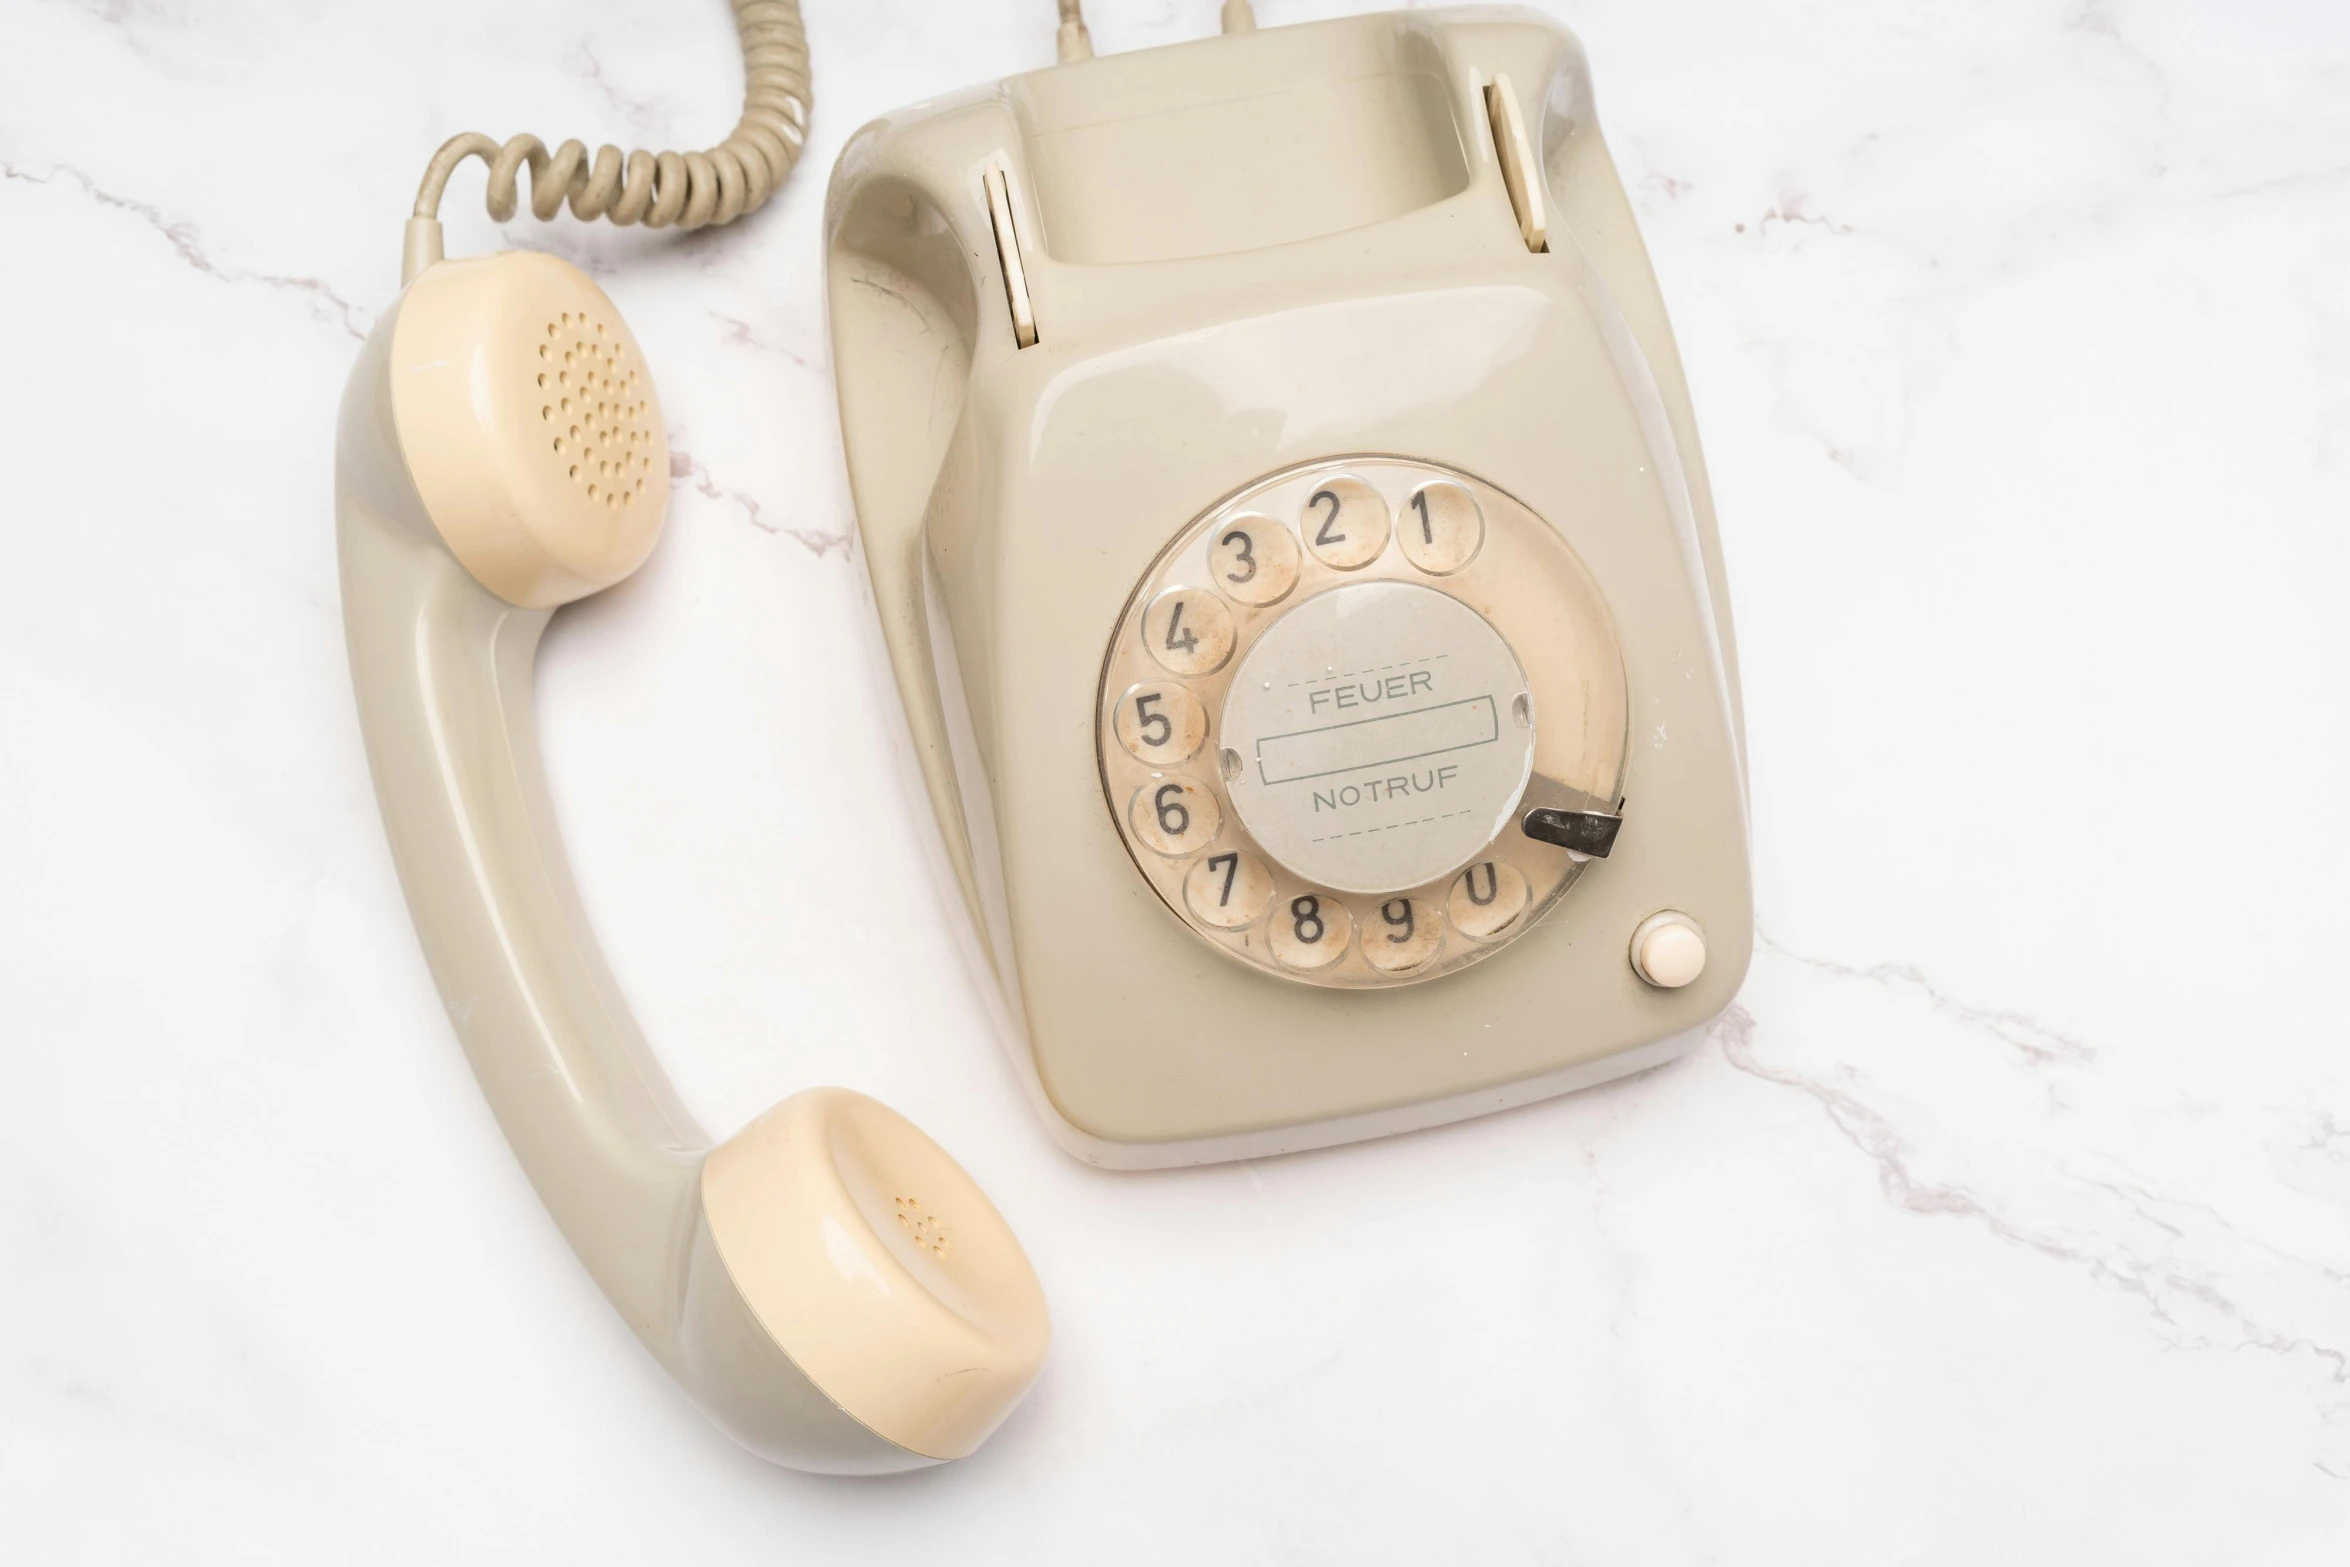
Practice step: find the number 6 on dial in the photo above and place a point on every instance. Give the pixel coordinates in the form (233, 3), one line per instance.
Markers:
(1174, 816)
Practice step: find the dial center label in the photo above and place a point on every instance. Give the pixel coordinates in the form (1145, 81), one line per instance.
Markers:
(1383, 734)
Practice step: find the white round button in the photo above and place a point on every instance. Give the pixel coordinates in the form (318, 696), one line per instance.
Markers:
(1667, 950)
(1381, 736)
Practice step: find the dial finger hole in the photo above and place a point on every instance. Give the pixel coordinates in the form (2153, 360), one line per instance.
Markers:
(1345, 523)
(1486, 899)
(1230, 891)
(1440, 528)
(1189, 631)
(1160, 723)
(1311, 931)
(1175, 816)
(1253, 559)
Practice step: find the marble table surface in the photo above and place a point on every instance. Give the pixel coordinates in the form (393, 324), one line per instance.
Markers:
(2006, 1218)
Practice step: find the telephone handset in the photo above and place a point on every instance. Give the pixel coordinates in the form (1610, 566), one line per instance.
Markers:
(1283, 508)
(831, 1287)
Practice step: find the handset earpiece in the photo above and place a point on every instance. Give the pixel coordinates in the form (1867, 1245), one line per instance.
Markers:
(832, 1288)
(529, 425)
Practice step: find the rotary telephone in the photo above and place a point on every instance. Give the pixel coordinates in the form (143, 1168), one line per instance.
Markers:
(1286, 519)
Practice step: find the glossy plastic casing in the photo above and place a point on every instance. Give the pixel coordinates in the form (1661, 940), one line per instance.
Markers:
(1245, 254)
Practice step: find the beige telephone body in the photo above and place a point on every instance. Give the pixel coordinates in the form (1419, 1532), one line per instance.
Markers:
(1289, 530)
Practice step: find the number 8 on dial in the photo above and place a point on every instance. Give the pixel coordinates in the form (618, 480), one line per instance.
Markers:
(1311, 931)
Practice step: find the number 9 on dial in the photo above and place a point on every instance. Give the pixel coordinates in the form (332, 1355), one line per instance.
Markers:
(1403, 934)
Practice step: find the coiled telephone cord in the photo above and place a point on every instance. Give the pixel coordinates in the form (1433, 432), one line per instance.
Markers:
(689, 190)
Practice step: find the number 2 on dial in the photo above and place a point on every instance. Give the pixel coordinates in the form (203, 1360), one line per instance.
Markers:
(1324, 538)
(1345, 522)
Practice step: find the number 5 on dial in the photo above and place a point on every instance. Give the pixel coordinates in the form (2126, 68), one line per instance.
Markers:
(1160, 723)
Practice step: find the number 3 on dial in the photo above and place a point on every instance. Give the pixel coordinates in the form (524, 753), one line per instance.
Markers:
(1254, 560)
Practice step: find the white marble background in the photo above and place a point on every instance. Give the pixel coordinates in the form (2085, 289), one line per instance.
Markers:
(2007, 1219)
